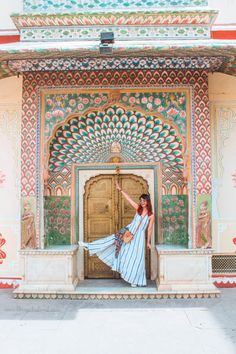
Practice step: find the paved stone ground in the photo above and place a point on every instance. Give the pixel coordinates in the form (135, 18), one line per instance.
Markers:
(191, 326)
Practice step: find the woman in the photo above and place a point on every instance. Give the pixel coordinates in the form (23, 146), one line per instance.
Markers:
(128, 258)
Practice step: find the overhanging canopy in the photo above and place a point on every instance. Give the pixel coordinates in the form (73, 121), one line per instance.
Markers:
(12, 55)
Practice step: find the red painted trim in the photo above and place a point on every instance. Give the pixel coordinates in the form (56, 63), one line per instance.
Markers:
(9, 282)
(7, 286)
(9, 39)
(220, 34)
(224, 285)
(11, 278)
(223, 275)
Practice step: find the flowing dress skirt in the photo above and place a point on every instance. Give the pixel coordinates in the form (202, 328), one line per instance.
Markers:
(130, 262)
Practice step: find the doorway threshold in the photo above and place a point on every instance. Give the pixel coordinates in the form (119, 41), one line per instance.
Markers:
(114, 286)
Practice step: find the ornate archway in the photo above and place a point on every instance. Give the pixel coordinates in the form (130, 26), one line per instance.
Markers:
(88, 138)
(94, 136)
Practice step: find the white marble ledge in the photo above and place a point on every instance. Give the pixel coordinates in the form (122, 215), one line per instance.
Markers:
(177, 249)
(53, 250)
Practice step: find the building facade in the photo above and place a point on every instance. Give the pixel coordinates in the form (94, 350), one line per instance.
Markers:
(153, 109)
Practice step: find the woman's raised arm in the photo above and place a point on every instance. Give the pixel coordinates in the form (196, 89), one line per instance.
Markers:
(149, 232)
(127, 197)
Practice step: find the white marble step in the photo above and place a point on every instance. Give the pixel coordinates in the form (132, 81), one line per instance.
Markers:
(112, 289)
(113, 286)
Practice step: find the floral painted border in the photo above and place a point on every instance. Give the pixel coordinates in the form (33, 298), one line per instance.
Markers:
(171, 105)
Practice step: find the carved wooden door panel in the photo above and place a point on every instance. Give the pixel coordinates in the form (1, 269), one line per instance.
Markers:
(105, 212)
(99, 209)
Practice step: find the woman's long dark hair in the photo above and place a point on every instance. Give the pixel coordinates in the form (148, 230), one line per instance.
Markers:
(149, 205)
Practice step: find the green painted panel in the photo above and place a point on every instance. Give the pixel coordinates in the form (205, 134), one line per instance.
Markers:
(57, 220)
(175, 219)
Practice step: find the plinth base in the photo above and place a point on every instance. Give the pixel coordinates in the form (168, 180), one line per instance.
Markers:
(184, 270)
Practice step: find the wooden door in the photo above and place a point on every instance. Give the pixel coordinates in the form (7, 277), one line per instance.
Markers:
(107, 211)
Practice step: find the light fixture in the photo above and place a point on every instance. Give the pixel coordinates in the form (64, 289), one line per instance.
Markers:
(106, 41)
(107, 37)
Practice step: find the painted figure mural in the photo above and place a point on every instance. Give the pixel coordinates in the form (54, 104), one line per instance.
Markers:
(204, 226)
(28, 227)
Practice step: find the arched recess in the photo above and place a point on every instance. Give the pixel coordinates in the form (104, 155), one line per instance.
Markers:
(105, 211)
(88, 138)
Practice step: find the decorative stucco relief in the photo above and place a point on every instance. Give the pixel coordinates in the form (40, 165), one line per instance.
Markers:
(224, 130)
(10, 149)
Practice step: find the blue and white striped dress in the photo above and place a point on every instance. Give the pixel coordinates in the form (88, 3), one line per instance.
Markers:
(130, 262)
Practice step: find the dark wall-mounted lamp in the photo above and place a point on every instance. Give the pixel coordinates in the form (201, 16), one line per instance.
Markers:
(106, 41)
(107, 37)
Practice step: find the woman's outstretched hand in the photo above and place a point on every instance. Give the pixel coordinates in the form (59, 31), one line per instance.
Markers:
(118, 186)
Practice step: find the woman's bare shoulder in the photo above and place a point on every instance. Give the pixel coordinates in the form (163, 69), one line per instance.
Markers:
(151, 217)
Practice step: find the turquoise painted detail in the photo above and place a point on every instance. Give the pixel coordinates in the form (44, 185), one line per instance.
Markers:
(89, 138)
(171, 105)
(131, 32)
(58, 107)
(60, 6)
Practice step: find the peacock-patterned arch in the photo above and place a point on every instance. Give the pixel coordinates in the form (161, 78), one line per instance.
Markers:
(142, 136)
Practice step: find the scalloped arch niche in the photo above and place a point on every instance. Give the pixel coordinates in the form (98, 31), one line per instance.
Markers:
(88, 139)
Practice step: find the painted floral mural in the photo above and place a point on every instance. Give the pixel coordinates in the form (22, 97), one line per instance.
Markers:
(171, 105)
(57, 220)
(175, 219)
(58, 107)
